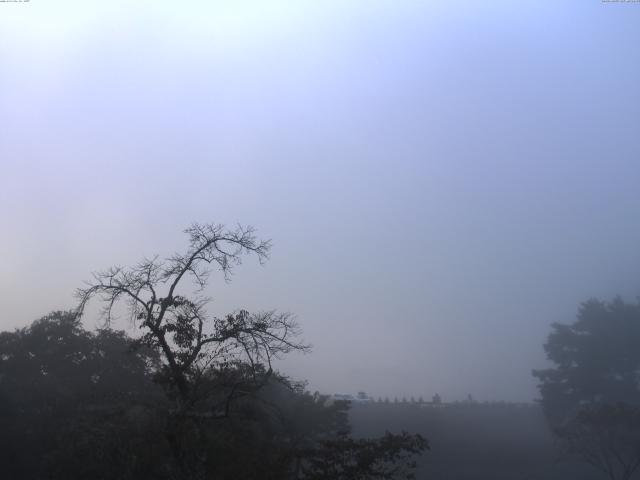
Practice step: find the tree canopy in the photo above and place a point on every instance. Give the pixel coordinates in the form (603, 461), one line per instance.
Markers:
(76, 404)
(596, 359)
(592, 395)
(91, 405)
(193, 396)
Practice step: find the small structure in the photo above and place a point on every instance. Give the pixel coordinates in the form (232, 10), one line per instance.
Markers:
(360, 398)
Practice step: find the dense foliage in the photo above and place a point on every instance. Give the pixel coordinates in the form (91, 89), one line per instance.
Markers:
(77, 404)
(91, 405)
(596, 359)
(591, 396)
(192, 397)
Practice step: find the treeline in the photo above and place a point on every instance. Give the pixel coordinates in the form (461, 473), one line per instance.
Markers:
(587, 422)
(191, 397)
(76, 404)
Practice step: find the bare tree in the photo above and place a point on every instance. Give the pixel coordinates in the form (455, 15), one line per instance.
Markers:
(164, 298)
(210, 364)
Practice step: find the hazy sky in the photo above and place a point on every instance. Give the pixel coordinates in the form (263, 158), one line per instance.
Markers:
(441, 180)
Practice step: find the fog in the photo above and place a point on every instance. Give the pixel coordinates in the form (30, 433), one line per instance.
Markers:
(441, 180)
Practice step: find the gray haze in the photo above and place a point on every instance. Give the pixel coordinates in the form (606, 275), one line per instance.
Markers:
(441, 180)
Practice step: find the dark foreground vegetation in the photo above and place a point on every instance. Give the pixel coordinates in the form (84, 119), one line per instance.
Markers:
(591, 396)
(196, 397)
(191, 397)
(88, 405)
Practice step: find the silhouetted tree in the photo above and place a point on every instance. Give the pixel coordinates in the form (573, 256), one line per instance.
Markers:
(229, 417)
(172, 316)
(75, 404)
(346, 458)
(593, 390)
(596, 359)
(208, 362)
(86, 405)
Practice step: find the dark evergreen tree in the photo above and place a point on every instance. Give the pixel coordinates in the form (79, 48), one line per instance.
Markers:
(594, 385)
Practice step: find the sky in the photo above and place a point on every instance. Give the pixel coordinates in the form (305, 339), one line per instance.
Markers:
(441, 180)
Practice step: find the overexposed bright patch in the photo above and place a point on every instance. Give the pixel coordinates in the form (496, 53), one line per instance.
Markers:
(69, 19)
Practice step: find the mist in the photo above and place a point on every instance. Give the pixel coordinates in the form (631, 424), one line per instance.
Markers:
(441, 181)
